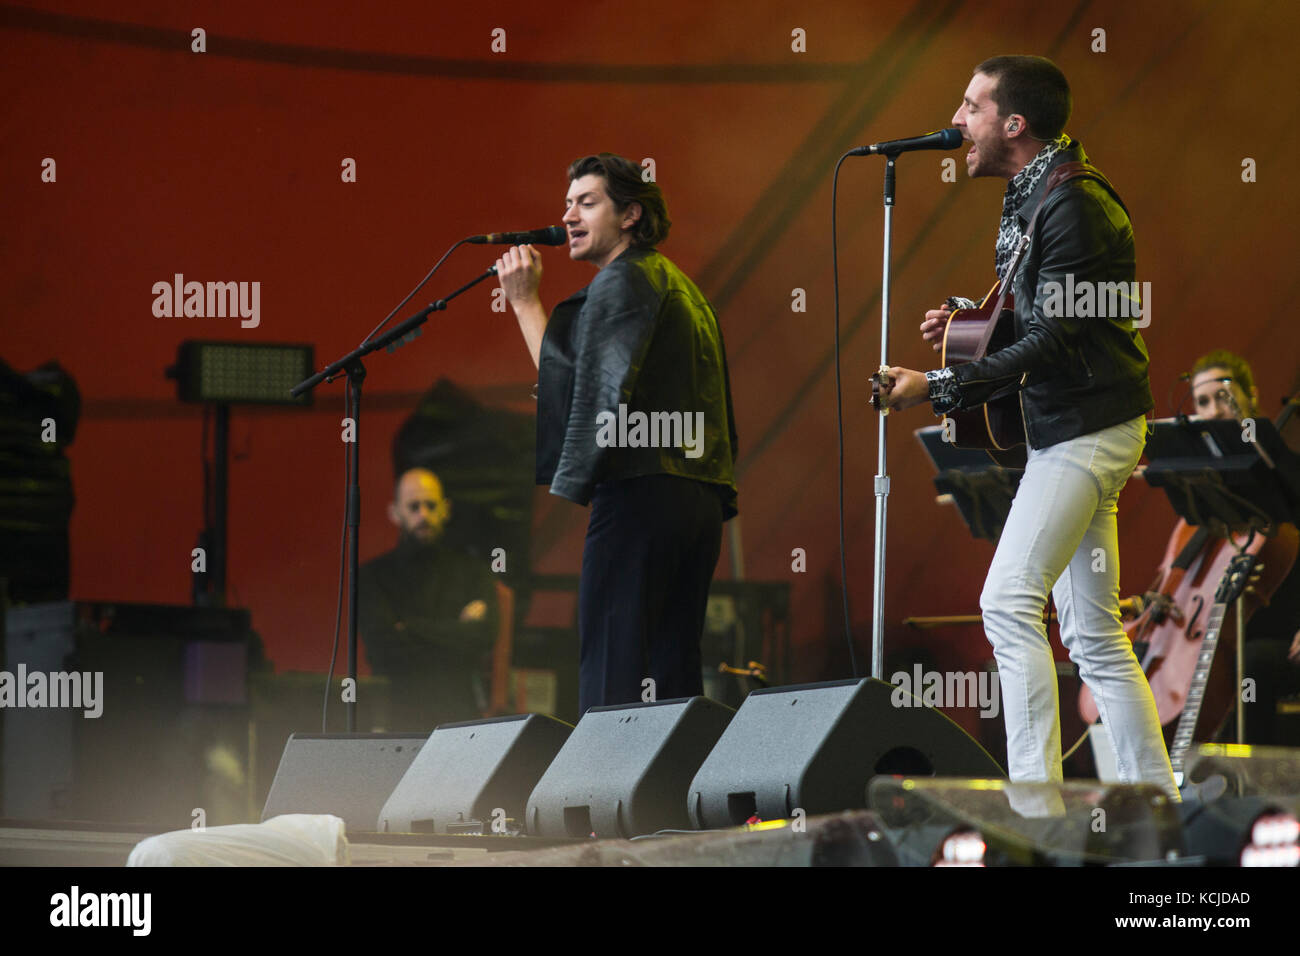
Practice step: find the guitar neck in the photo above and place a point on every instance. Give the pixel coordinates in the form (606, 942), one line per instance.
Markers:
(1196, 692)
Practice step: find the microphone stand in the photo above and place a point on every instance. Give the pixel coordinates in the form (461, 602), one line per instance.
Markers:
(394, 338)
(1240, 655)
(882, 472)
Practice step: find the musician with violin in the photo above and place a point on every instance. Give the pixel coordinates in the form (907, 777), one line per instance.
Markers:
(1169, 620)
(1081, 384)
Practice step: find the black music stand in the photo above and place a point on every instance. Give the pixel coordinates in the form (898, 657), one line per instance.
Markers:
(968, 478)
(1215, 476)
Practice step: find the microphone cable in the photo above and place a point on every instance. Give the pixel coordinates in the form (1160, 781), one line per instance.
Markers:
(839, 415)
(388, 318)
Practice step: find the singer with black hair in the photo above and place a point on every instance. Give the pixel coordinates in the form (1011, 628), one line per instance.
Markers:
(1084, 393)
(634, 417)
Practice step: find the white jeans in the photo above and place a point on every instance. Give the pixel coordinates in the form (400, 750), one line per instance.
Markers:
(1060, 536)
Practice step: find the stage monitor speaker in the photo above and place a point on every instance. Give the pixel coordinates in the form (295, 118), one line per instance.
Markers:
(1000, 823)
(1248, 771)
(625, 769)
(474, 776)
(814, 747)
(347, 775)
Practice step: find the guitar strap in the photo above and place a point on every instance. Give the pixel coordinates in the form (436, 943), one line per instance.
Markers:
(1057, 177)
(1062, 174)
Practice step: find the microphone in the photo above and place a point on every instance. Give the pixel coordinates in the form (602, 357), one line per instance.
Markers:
(949, 138)
(550, 236)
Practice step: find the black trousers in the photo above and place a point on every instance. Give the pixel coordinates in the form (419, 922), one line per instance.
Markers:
(651, 549)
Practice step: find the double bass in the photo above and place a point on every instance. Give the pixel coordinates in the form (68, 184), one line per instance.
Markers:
(1174, 623)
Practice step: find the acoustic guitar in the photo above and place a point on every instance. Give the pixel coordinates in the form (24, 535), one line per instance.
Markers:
(997, 426)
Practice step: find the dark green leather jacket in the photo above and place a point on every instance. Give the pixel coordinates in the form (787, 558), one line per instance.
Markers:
(632, 380)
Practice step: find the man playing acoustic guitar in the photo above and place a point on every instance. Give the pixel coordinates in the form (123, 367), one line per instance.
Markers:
(1084, 393)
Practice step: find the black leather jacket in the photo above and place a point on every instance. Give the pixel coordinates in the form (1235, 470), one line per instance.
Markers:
(1080, 375)
(642, 336)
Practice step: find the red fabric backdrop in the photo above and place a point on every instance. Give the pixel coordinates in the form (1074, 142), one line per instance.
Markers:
(225, 166)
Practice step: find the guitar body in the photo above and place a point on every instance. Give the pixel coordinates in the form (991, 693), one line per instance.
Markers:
(997, 426)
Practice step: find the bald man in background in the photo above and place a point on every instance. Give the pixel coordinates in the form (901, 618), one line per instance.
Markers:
(428, 614)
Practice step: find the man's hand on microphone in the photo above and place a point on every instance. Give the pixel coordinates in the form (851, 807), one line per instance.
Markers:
(935, 322)
(519, 271)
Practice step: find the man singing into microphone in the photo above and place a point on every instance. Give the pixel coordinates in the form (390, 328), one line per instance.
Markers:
(634, 416)
(1084, 393)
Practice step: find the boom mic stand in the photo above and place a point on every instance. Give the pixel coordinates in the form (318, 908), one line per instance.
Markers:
(949, 138)
(401, 333)
(882, 471)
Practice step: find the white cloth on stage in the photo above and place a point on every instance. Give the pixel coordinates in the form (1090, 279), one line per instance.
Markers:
(293, 839)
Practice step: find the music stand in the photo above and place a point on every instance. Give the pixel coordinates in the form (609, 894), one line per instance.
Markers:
(967, 477)
(1215, 476)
